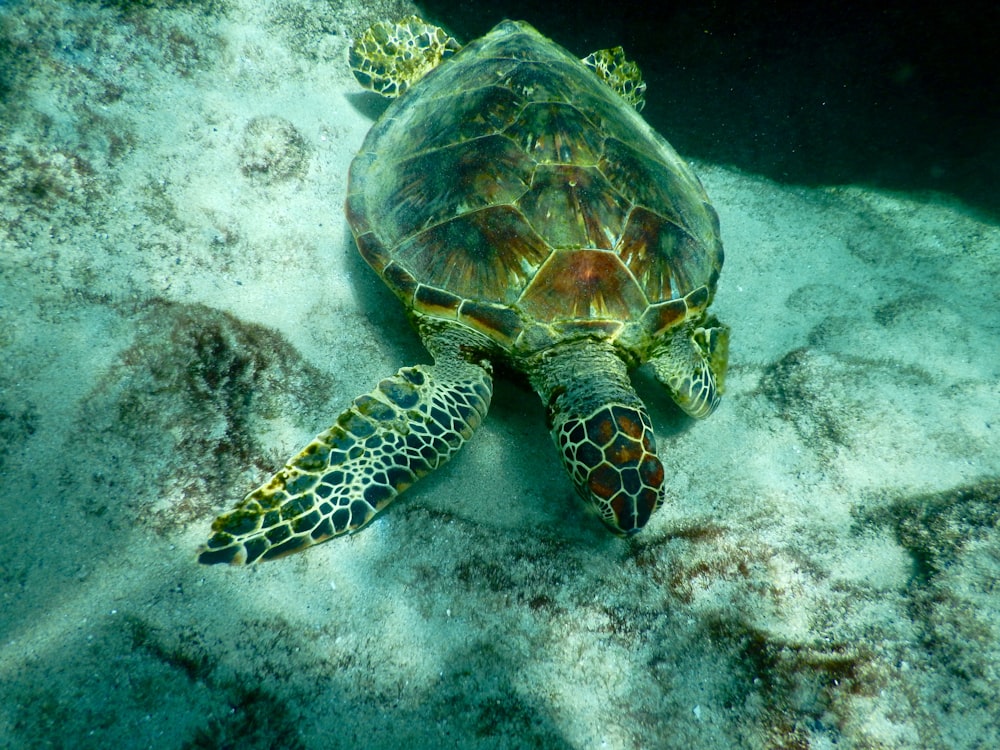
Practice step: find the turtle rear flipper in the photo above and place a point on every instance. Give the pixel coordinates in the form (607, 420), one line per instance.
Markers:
(409, 425)
(620, 73)
(390, 57)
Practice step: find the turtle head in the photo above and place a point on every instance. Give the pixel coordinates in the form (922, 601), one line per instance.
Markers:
(611, 457)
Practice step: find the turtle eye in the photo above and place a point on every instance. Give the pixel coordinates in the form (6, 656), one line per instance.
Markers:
(611, 456)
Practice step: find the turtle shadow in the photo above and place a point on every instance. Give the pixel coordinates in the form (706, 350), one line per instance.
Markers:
(382, 309)
(668, 418)
(368, 103)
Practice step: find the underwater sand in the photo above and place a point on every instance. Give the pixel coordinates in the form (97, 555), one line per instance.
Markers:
(182, 308)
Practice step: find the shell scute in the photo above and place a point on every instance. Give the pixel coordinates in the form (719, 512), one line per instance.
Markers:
(647, 240)
(437, 302)
(676, 194)
(483, 255)
(435, 186)
(478, 70)
(574, 207)
(501, 323)
(663, 316)
(435, 122)
(401, 281)
(544, 80)
(556, 133)
(374, 251)
(582, 285)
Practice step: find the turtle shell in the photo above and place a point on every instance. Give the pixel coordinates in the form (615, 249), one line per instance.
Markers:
(515, 192)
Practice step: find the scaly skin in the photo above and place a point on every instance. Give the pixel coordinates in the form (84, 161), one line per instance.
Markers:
(691, 364)
(390, 57)
(604, 436)
(411, 424)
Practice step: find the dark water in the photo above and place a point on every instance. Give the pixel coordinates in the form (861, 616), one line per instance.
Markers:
(901, 96)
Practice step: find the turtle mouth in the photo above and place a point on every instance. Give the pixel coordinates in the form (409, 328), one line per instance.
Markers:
(617, 530)
(625, 515)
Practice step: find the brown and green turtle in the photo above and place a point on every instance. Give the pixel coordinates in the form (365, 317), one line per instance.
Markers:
(515, 201)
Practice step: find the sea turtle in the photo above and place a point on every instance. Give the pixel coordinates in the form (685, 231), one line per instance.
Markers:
(515, 201)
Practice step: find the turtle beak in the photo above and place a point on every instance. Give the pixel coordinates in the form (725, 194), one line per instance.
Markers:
(617, 530)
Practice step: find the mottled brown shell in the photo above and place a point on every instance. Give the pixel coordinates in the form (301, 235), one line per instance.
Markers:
(512, 190)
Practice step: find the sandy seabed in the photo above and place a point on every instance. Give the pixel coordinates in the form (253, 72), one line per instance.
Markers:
(181, 308)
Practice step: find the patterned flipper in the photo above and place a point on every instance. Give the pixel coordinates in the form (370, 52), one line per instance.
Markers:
(408, 426)
(620, 73)
(692, 366)
(390, 57)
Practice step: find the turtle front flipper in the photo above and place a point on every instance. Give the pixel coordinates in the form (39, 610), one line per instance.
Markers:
(409, 425)
(604, 435)
(691, 364)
